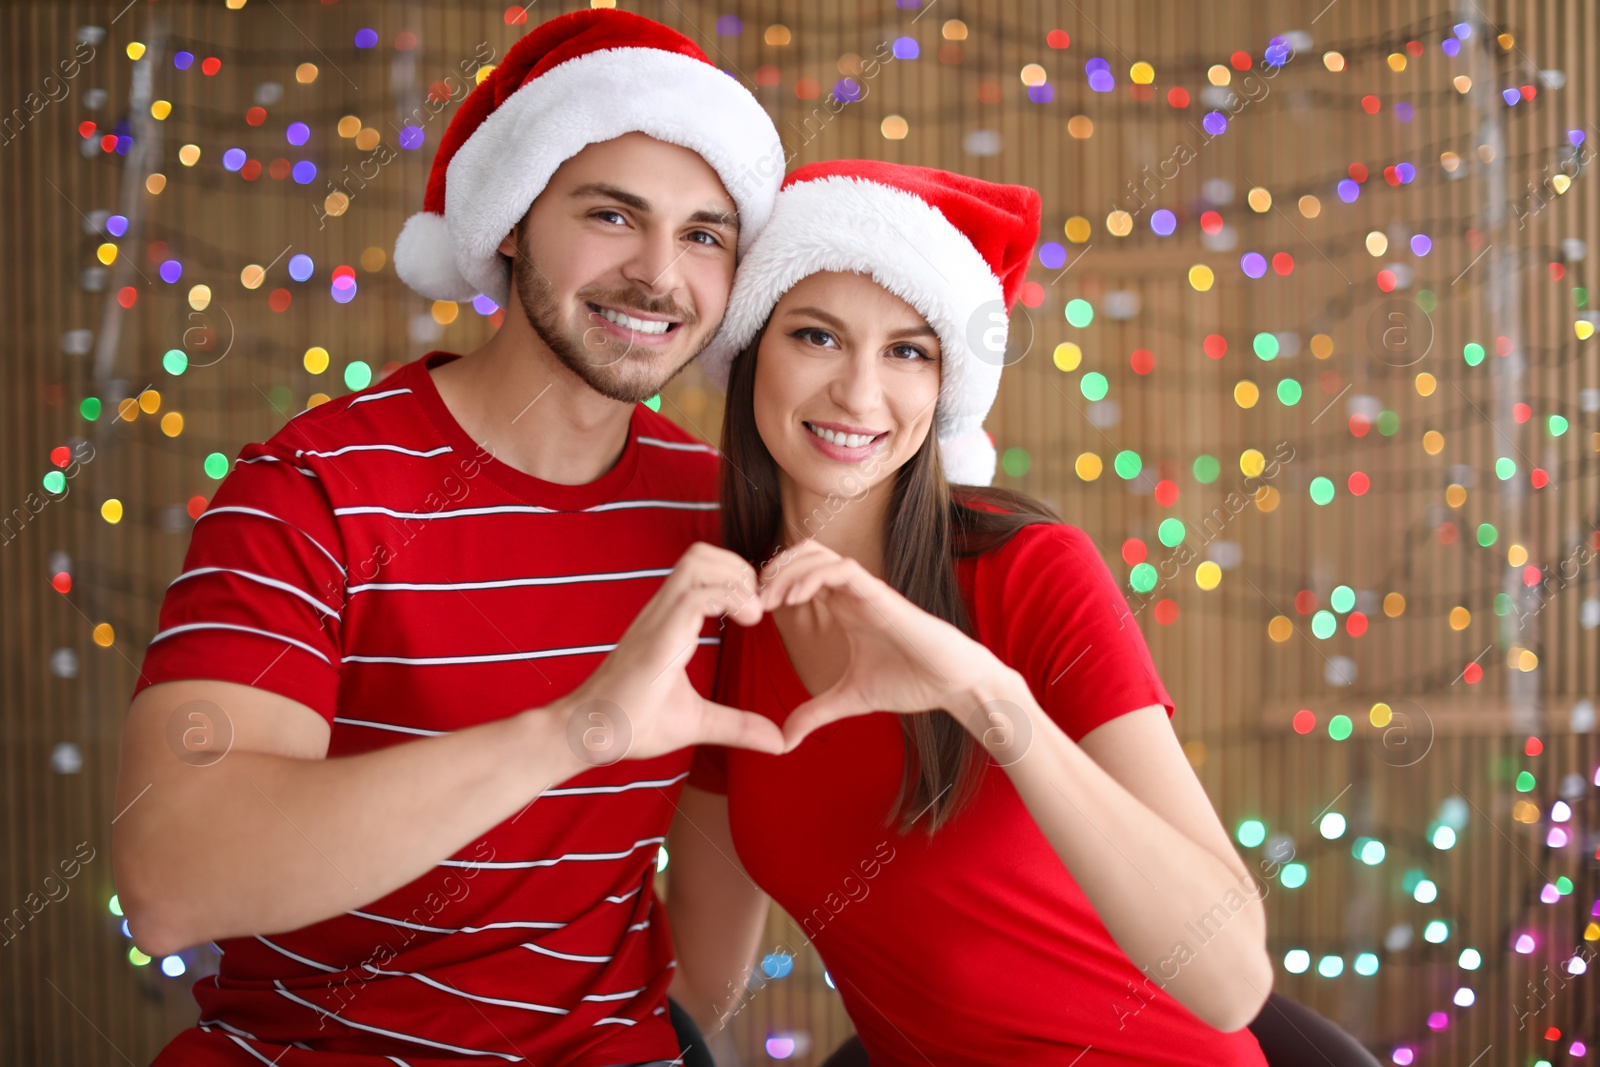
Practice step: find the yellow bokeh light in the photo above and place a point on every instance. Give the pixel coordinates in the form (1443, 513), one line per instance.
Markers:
(1394, 605)
(1426, 384)
(160, 109)
(1433, 442)
(200, 297)
(305, 73)
(317, 400)
(252, 276)
(1527, 661)
(1380, 715)
(1460, 618)
(1208, 575)
(1334, 61)
(1142, 73)
(1516, 555)
(149, 401)
(1506, 41)
(1245, 394)
(1078, 229)
(1280, 629)
(335, 204)
(483, 73)
(104, 635)
(1259, 199)
(1200, 277)
(1377, 243)
(368, 139)
(349, 126)
(1067, 356)
(954, 30)
(1321, 345)
(1080, 127)
(445, 311)
(1584, 329)
(106, 253)
(135, 50)
(316, 359)
(128, 409)
(373, 258)
(1462, 83)
(1088, 466)
(894, 127)
(1310, 206)
(172, 424)
(1397, 61)
(189, 155)
(1119, 223)
(111, 511)
(1560, 183)
(155, 183)
(1449, 161)
(1252, 462)
(1267, 499)
(1033, 74)
(1455, 495)
(1219, 74)
(777, 35)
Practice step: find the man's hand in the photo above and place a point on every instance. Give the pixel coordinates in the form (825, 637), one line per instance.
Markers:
(639, 702)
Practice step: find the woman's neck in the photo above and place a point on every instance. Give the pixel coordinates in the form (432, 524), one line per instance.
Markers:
(850, 525)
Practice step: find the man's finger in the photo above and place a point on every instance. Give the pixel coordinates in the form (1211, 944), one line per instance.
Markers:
(722, 725)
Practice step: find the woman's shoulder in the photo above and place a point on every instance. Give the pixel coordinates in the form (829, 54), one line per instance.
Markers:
(1045, 546)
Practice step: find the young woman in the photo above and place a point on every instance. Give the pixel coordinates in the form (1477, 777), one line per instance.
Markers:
(1030, 873)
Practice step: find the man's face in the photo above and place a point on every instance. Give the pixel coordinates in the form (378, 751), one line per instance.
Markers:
(624, 262)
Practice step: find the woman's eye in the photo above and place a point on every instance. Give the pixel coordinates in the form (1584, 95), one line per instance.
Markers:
(909, 352)
(811, 334)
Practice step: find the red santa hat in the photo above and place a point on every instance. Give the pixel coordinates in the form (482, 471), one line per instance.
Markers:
(576, 80)
(955, 248)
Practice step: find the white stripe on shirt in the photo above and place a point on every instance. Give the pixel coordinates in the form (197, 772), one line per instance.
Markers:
(528, 509)
(375, 396)
(646, 784)
(284, 992)
(565, 955)
(417, 730)
(527, 1005)
(509, 865)
(277, 459)
(441, 450)
(297, 957)
(235, 509)
(499, 657)
(509, 583)
(264, 580)
(186, 627)
(680, 446)
(507, 925)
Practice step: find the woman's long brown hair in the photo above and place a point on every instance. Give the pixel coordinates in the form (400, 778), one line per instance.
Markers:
(930, 524)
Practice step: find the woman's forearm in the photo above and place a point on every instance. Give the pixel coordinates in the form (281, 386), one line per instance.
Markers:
(1195, 926)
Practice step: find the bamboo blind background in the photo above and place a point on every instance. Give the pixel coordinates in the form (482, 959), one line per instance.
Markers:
(71, 996)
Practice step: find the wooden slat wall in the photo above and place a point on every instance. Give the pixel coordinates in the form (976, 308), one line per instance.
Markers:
(72, 997)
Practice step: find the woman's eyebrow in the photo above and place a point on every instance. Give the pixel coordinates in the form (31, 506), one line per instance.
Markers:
(919, 330)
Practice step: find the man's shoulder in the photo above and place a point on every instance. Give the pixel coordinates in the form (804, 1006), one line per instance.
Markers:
(386, 407)
(666, 446)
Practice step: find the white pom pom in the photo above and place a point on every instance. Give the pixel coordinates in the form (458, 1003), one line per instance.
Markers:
(424, 257)
(968, 458)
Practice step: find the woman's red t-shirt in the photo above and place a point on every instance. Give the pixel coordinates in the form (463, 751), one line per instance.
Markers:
(974, 946)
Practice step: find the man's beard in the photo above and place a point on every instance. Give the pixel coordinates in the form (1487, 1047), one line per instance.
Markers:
(609, 367)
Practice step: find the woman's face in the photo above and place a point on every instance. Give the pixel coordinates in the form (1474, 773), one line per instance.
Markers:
(847, 376)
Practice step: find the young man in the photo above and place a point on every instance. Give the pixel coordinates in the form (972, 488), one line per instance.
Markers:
(400, 745)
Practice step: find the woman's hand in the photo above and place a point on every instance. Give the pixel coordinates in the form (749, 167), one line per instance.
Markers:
(901, 657)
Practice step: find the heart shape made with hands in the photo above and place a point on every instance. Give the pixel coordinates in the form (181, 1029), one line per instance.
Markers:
(902, 658)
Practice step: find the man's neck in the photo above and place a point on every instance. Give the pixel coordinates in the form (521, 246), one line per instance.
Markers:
(516, 399)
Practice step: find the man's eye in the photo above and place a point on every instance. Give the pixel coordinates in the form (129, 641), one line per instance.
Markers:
(608, 213)
(712, 241)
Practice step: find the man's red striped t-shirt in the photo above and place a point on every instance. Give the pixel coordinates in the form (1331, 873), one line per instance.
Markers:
(372, 562)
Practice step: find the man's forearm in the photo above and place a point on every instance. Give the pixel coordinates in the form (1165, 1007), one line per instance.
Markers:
(258, 843)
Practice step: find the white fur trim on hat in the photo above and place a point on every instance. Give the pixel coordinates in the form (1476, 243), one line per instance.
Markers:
(507, 161)
(907, 246)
